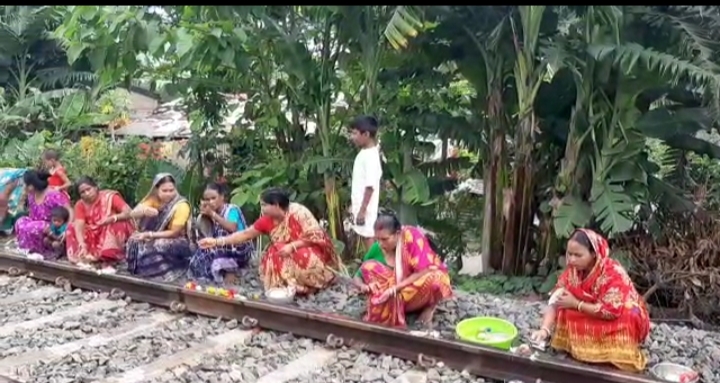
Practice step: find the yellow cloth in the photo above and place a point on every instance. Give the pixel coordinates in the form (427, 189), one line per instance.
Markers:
(180, 216)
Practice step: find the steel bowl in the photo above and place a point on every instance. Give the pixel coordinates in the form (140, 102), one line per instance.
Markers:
(280, 295)
(673, 372)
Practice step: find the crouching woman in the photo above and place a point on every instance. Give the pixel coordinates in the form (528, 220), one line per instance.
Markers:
(403, 274)
(598, 315)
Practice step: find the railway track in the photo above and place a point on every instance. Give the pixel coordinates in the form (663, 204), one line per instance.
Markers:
(251, 341)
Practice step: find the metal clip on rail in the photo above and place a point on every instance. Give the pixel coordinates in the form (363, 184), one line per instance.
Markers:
(116, 293)
(248, 322)
(64, 283)
(334, 341)
(14, 272)
(177, 307)
(426, 361)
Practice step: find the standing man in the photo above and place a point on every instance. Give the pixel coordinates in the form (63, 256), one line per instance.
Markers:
(367, 172)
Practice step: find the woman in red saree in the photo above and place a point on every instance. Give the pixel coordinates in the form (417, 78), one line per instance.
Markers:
(102, 226)
(301, 254)
(599, 317)
(410, 276)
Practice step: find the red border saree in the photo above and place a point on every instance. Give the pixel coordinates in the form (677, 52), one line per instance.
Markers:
(307, 268)
(414, 255)
(104, 243)
(616, 336)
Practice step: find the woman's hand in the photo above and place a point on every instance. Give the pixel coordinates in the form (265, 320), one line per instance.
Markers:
(207, 243)
(144, 236)
(540, 336)
(287, 250)
(363, 288)
(206, 210)
(567, 301)
(149, 212)
(385, 295)
(82, 249)
(106, 220)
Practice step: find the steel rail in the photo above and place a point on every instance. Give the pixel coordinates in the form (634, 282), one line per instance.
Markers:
(337, 330)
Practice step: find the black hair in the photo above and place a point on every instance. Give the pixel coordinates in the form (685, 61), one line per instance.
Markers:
(38, 179)
(85, 180)
(580, 237)
(165, 180)
(51, 154)
(276, 196)
(220, 188)
(60, 212)
(388, 220)
(365, 124)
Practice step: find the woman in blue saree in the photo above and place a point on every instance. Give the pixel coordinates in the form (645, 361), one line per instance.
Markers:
(219, 219)
(162, 245)
(12, 198)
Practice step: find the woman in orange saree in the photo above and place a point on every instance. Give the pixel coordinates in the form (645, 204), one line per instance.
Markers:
(301, 255)
(598, 315)
(101, 227)
(410, 277)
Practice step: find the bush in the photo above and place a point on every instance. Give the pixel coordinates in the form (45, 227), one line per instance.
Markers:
(122, 166)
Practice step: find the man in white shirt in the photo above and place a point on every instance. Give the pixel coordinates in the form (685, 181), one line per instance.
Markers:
(367, 172)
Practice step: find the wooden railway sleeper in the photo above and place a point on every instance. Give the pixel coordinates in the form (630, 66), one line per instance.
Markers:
(14, 271)
(426, 361)
(334, 341)
(248, 322)
(177, 307)
(117, 293)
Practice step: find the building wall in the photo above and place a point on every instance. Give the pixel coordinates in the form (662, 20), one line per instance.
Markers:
(142, 105)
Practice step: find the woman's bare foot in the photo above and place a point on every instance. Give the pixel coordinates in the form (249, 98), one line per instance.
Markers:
(426, 316)
(230, 279)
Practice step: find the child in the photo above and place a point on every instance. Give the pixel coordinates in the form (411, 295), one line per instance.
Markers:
(55, 233)
(58, 177)
(366, 176)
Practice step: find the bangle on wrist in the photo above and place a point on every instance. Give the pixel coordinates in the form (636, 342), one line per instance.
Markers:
(579, 306)
(547, 330)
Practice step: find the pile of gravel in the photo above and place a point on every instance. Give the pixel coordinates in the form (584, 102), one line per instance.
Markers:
(92, 363)
(670, 343)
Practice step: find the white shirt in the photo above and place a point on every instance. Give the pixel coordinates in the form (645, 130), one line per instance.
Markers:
(367, 172)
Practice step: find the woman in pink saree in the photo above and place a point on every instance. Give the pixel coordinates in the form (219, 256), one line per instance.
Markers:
(41, 200)
(409, 277)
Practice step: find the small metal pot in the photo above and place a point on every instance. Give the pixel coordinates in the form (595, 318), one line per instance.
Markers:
(675, 373)
(280, 295)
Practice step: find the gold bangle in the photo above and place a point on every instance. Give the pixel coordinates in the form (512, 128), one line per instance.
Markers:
(547, 330)
(579, 306)
(115, 219)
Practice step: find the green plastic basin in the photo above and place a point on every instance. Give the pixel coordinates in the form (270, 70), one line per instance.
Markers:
(488, 331)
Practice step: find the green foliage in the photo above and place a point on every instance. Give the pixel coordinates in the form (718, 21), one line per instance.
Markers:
(119, 166)
(499, 284)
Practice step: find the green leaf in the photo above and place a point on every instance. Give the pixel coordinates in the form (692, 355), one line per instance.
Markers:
(612, 207)
(570, 215)
(414, 187)
(184, 42)
(74, 51)
(228, 58)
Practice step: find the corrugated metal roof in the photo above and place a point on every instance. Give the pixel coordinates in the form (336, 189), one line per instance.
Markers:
(169, 120)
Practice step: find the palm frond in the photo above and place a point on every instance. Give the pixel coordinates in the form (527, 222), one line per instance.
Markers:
(404, 23)
(64, 76)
